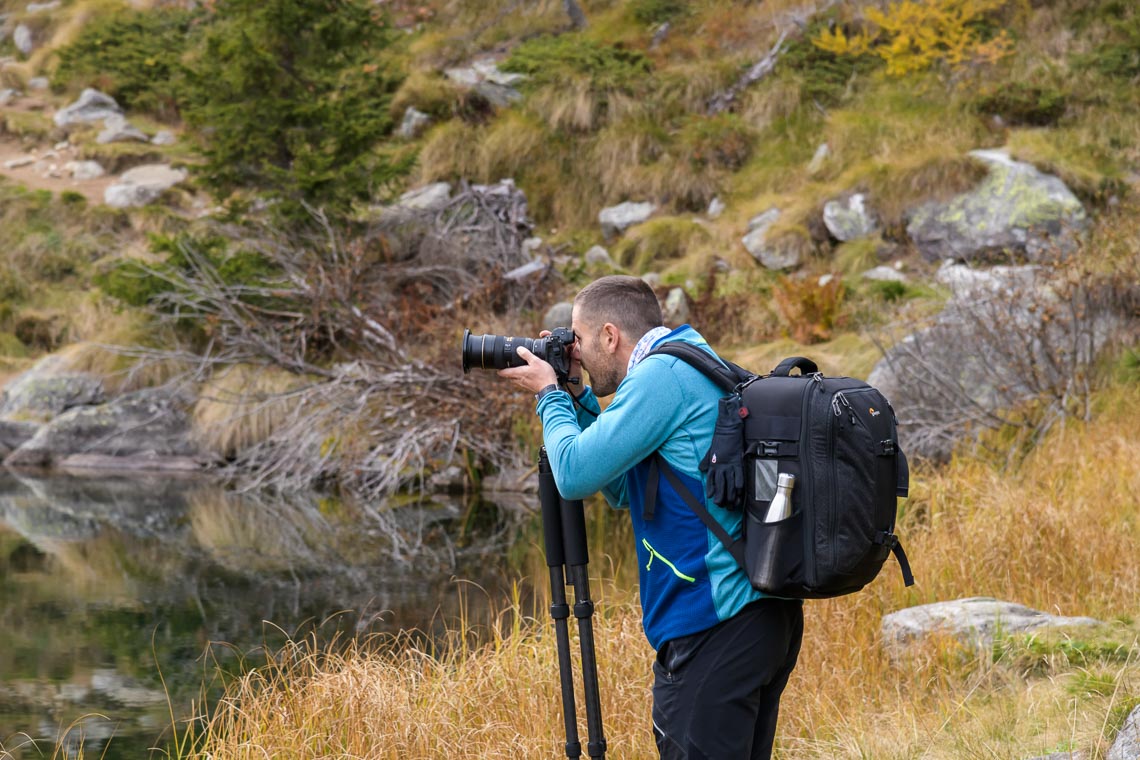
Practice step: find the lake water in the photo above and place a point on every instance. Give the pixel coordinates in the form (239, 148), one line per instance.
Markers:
(119, 593)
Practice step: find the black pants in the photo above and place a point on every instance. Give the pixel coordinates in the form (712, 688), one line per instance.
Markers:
(716, 694)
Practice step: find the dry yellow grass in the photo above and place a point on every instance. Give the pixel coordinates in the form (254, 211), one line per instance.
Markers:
(1060, 534)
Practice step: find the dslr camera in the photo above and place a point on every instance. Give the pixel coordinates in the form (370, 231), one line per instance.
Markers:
(498, 351)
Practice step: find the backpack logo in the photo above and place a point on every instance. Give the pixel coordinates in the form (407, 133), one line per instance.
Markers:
(874, 412)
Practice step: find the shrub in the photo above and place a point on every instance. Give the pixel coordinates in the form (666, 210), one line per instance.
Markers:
(653, 12)
(548, 60)
(723, 141)
(1119, 55)
(1018, 103)
(914, 35)
(657, 240)
(809, 307)
(291, 97)
(824, 74)
(132, 55)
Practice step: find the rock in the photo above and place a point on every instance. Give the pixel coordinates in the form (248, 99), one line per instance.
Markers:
(38, 83)
(142, 185)
(451, 479)
(429, 197)
(716, 208)
(558, 315)
(884, 274)
(141, 429)
(617, 219)
(512, 480)
(91, 106)
(531, 245)
(413, 124)
(822, 153)
(1062, 756)
(45, 391)
(163, 137)
(39, 7)
(485, 78)
(526, 270)
(147, 461)
(23, 40)
(84, 170)
(19, 163)
(849, 219)
(973, 621)
(14, 434)
(1127, 743)
(1015, 209)
(676, 308)
(7, 95)
(756, 242)
(598, 256)
(116, 128)
(489, 71)
(659, 35)
(498, 95)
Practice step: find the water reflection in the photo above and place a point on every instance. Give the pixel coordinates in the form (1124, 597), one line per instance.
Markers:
(104, 581)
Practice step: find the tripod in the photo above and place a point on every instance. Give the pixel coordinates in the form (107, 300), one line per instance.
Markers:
(564, 536)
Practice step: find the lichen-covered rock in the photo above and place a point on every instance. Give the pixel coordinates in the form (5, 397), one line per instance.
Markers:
(1127, 743)
(91, 106)
(147, 427)
(617, 219)
(974, 621)
(46, 390)
(142, 185)
(1015, 209)
(772, 255)
(849, 218)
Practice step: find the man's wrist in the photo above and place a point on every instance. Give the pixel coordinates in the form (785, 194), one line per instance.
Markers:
(546, 390)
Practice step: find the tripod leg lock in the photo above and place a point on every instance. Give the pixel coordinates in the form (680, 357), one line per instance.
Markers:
(561, 611)
(584, 609)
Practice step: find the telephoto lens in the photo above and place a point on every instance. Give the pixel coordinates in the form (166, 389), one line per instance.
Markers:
(498, 351)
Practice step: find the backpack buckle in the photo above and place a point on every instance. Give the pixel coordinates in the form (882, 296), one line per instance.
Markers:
(770, 448)
(888, 448)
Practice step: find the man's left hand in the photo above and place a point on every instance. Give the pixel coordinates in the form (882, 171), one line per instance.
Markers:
(534, 376)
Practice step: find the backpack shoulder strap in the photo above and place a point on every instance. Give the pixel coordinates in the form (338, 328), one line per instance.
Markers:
(727, 375)
(735, 547)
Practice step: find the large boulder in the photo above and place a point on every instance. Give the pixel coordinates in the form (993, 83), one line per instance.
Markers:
(1006, 337)
(91, 106)
(1016, 209)
(142, 185)
(774, 255)
(1127, 744)
(617, 219)
(427, 198)
(147, 429)
(849, 218)
(973, 621)
(47, 390)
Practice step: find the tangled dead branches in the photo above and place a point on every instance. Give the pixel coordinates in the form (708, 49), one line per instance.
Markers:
(365, 412)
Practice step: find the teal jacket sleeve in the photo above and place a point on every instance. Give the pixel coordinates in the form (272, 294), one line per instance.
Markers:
(647, 407)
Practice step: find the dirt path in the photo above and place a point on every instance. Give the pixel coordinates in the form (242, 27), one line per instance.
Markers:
(46, 171)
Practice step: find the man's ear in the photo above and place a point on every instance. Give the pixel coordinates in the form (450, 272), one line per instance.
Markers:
(611, 337)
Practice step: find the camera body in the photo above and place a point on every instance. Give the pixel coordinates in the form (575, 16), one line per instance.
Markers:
(499, 351)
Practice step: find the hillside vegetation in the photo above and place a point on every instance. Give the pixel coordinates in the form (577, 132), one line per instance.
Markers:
(312, 320)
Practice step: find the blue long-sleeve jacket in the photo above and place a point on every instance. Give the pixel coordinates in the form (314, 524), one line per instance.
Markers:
(689, 581)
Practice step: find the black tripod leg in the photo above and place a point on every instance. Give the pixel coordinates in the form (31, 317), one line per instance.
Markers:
(559, 609)
(577, 558)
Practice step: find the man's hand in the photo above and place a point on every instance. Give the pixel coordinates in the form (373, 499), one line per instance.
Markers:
(536, 375)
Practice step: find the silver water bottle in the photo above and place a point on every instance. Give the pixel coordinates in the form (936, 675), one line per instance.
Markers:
(781, 506)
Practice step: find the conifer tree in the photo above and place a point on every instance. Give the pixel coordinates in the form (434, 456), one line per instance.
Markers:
(291, 98)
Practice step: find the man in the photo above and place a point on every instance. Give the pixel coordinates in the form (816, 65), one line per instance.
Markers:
(724, 650)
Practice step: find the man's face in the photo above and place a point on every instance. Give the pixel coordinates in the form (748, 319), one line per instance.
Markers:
(595, 355)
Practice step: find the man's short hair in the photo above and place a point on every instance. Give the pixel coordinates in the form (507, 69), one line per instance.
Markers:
(627, 302)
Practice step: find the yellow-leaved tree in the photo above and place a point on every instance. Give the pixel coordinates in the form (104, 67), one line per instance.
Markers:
(913, 35)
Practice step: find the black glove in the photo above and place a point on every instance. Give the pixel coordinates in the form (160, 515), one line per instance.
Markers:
(724, 461)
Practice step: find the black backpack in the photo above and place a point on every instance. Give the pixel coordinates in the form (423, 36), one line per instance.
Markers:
(838, 436)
